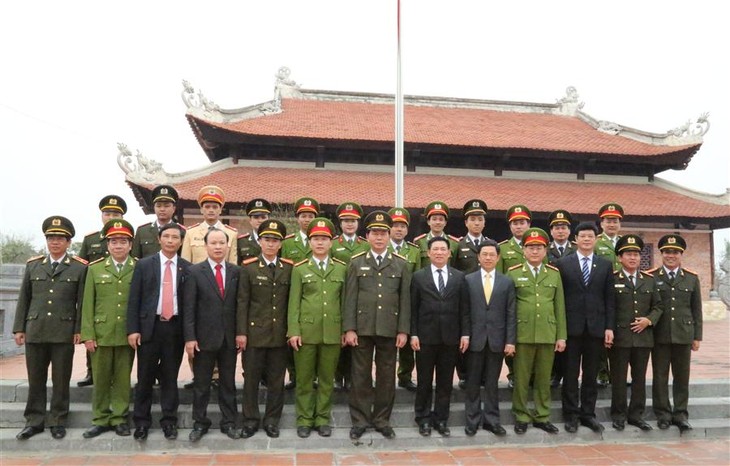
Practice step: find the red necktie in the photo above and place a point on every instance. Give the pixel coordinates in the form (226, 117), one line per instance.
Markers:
(168, 306)
(219, 277)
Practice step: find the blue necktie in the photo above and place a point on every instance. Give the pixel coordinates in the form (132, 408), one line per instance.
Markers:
(441, 281)
(585, 271)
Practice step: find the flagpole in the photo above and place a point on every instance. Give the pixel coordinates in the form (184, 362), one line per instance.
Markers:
(399, 191)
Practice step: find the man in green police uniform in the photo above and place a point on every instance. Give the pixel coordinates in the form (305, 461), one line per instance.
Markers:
(638, 309)
(47, 322)
(104, 330)
(258, 211)
(541, 331)
(519, 218)
(437, 215)
(94, 247)
(316, 300)
(475, 212)
(147, 241)
(296, 245)
(676, 335)
(412, 254)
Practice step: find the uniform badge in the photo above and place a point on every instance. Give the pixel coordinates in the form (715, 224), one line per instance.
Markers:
(364, 268)
(475, 204)
(559, 215)
(259, 204)
(379, 217)
(112, 201)
(671, 240)
(163, 191)
(320, 223)
(518, 209)
(56, 222)
(631, 240)
(307, 202)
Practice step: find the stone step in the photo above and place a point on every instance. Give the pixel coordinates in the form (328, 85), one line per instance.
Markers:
(407, 438)
(402, 416)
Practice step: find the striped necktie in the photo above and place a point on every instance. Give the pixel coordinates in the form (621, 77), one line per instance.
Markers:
(585, 271)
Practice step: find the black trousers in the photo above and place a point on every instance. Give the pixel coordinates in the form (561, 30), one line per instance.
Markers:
(441, 359)
(268, 364)
(482, 365)
(621, 359)
(38, 356)
(159, 357)
(406, 363)
(677, 358)
(203, 365)
(582, 353)
(371, 406)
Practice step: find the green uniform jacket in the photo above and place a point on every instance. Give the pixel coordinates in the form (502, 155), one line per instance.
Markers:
(49, 304)
(411, 253)
(553, 253)
(604, 248)
(378, 301)
(681, 322)
(93, 247)
(343, 251)
(316, 299)
(263, 297)
(146, 241)
(104, 309)
(511, 254)
(643, 300)
(248, 247)
(422, 243)
(466, 258)
(540, 305)
(294, 249)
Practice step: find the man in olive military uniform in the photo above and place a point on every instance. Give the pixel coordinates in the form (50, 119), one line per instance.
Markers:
(610, 215)
(466, 260)
(94, 247)
(676, 335)
(258, 211)
(316, 301)
(437, 215)
(638, 309)
(47, 322)
(541, 331)
(211, 200)
(412, 254)
(104, 330)
(261, 321)
(147, 241)
(376, 323)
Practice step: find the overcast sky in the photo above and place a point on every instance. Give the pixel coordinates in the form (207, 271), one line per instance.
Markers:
(78, 77)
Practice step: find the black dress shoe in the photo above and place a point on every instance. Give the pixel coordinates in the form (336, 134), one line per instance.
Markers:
(170, 432)
(548, 427)
(197, 433)
(86, 381)
(122, 429)
(338, 385)
(271, 430)
(592, 424)
(304, 431)
(140, 433)
(58, 432)
(425, 429)
(510, 383)
(470, 431)
(641, 424)
(602, 383)
(324, 431)
(231, 432)
(189, 385)
(95, 431)
(442, 429)
(684, 426)
(618, 425)
(555, 382)
(386, 432)
(571, 426)
(248, 432)
(462, 384)
(663, 424)
(407, 384)
(214, 383)
(496, 429)
(356, 432)
(28, 432)
(520, 427)
(291, 385)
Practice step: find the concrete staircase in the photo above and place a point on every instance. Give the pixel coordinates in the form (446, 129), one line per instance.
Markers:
(709, 415)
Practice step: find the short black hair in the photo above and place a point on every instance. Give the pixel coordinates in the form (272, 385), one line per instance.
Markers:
(438, 238)
(582, 226)
(489, 242)
(212, 230)
(170, 226)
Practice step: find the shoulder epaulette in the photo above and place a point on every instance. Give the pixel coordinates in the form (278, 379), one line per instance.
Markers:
(691, 272)
(289, 236)
(361, 238)
(78, 259)
(358, 254)
(336, 238)
(183, 226)
(398, 255)
(616, 272)
(420, 237)
(245, 235)
(550, 266)
(644, 272)
(92, 233)
(97, 260)
(250, 260)
(505, 241)
(334, 259)
(515, 267)
(35, 258)
(651, 271)
(144, 225)
(301, 262)
(230, 228)
(455, 238)
(286, 261)
(574, 243)
(413, 244)
(193, 226)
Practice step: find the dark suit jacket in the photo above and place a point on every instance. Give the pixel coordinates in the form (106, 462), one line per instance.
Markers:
(209, 317)
(144, 294)
(588, 308)
(438, 319)
(494, 323)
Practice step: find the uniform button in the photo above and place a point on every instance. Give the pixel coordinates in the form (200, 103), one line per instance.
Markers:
(119, 293)
(324, 315)
(50, 291)
(50, 302)
(274, 320)
(672, 298)
(49, 313)
(537, 294)
(538, 315)
(274, 307)
(273, 296)
(119, 282)
(380, 307)
(538, 304)
(359, 312)
(119, 305)
(672, 317)
(380, 284)
(379, 274)
(636, 312)
(119, 317)
(636, 302)
(324, 292)
(380, 296)
(324, 304)
(53, 279)
(274, 283)
(252, 324)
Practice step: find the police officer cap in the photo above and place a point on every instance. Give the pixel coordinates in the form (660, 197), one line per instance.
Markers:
(436, 208)
(58, 226)
(518, 212)
(611, 210)
(535, 236)
(399, 214)
(629, 243)
(306, 204)
(475, 207)
(672, 242)
(559, 216)
(164, 193)
(211, 193)
(113, 203)
(118, 227)
(378, 220)
(349, 210)
(258, 207)
(272, 229)
(321, 226)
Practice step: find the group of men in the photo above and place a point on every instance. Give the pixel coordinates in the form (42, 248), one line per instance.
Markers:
(326, 307)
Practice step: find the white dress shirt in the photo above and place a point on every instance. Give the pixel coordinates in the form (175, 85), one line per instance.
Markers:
(435, 275)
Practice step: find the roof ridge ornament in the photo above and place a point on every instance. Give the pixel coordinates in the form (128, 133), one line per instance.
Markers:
(692, 129)
(197, 100)
(570, 104)
(284, 86)
(138, 168)
(609, 127)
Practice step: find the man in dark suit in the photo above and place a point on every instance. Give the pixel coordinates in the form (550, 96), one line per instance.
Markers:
(493, 336)
(588, 284)
(440, 329)
(209, 327)
(155, 330)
